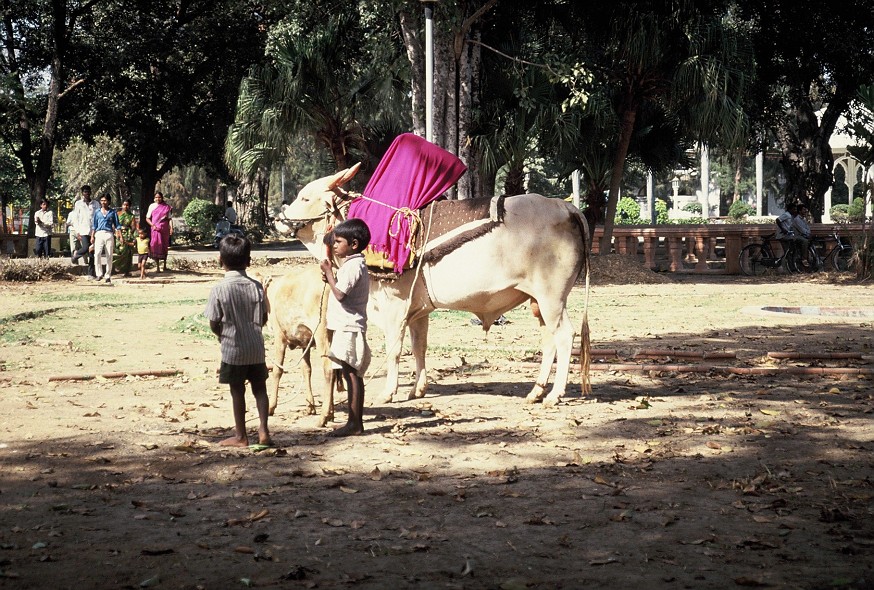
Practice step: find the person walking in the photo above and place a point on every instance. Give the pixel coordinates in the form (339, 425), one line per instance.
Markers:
(44, 220)
(158, 218)
(83, 216)
(105, 226)
(124, 247)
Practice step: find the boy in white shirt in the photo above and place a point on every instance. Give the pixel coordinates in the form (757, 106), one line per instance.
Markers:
(346, 317)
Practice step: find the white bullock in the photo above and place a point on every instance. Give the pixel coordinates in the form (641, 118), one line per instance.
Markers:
(536, 253)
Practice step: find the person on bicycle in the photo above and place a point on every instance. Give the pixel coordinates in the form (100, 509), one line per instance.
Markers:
(785, 224)
(801, 228)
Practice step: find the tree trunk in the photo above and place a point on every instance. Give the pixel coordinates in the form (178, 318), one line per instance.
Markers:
(807, 157)
(456, 81)
(514, 184)
(413, 34)
(251, 198)
(629, 115)
(149, 173)
(738, 174)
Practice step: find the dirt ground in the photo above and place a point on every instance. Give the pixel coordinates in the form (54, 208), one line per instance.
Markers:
(661, 478)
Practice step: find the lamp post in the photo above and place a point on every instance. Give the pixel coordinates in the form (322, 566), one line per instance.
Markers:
(429, 68)
(675, 184)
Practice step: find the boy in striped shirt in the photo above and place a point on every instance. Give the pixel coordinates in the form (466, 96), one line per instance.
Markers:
(236, 312)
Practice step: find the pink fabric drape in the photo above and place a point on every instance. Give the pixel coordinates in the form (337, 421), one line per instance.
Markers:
(412, 173)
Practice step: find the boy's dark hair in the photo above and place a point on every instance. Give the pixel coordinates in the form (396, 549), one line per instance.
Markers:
(41, 201)
(354, 229)
(235, 252)
(85, 187)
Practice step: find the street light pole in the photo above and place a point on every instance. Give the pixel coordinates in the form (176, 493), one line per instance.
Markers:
(429, 69)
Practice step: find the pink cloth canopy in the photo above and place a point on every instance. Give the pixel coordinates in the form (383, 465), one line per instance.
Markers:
(411, 174)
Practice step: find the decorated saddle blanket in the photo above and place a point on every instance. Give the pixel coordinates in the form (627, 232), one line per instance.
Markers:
(445, 226)
(411, 174)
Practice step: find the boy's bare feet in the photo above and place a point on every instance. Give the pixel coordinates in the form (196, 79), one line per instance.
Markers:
(234, 442)
(348, 430)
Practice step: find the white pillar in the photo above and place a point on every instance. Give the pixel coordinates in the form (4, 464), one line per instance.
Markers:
(575, 188)
(429, 72)
(649, 215)
(760, 182)
(869, 193)
(705, 181)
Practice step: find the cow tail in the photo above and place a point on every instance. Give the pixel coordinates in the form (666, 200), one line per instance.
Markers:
(585, 336)
(585, 344)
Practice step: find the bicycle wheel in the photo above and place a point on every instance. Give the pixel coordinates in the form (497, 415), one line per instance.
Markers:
(752, 260)
(843, 259)
(802, 264)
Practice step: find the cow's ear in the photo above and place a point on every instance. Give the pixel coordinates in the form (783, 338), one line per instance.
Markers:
(344, 176)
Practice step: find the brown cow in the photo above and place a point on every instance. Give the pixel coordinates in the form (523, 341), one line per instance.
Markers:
(296, 304)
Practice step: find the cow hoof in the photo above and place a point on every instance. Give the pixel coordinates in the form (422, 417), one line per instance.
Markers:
(385, 400)
(535, 395)
(271, 411)
(415, 395)
(550, 402)
(323, 421)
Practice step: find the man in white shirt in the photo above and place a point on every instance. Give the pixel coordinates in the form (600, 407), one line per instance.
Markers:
(44, 220)
(83, 214)
(231, 213)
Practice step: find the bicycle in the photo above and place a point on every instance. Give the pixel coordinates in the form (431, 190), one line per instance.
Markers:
(758, 259)
(839, 256)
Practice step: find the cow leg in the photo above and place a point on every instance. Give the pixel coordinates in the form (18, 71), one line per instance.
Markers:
(279, 360)
(306, 372)
(563, 339)
(394, 344)
(330, 376)
(419, 343)
(548, 355)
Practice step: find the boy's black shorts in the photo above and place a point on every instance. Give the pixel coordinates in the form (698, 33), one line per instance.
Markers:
(234, 374)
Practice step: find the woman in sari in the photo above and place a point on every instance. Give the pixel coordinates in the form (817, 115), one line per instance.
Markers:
(124, 247)
(158, 218)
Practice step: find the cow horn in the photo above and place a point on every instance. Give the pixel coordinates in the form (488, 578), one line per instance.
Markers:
(344, 176)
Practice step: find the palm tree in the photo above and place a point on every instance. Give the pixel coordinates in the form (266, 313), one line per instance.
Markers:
(326, 83)
(675, 61)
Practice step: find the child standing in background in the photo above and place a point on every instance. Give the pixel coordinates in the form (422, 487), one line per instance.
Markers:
(142, 251)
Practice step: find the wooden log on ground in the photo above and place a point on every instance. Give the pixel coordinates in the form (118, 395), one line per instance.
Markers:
(117, 375)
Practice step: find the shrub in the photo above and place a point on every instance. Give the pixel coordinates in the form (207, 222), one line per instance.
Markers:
(839, 213)
(740, 209)
(200, 216)
(856, 210)
(628, 212)
(661, 208)
(693, 207)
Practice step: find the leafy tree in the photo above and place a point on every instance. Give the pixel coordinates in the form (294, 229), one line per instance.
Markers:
(166, 79)
(684, 60)
(333, 80)
(42, 44)
(810, 61)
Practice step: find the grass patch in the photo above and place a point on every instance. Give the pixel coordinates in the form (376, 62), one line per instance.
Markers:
(195, 325)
